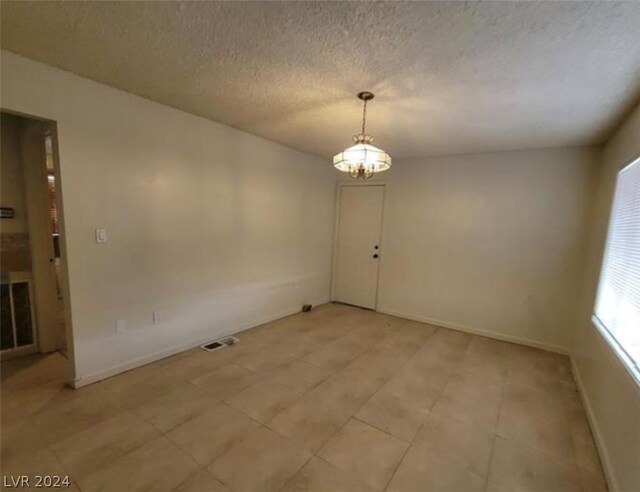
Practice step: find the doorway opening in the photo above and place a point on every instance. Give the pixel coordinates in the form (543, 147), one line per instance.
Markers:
(358, 246)
(35, 307)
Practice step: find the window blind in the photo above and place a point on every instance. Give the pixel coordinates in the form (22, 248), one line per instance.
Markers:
(618, 302)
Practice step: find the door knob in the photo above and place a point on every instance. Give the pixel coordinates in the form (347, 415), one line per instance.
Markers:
(376, 255)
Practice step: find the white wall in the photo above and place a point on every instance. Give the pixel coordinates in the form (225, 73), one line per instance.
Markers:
(215, 228)
(490, 243)
(613, 398)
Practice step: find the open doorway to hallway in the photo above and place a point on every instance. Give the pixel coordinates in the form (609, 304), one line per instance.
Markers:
(32, 259)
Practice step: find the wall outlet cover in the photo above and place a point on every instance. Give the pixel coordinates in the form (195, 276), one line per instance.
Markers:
(101, 235)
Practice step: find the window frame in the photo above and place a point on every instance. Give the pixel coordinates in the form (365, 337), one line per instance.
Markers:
(632, 367)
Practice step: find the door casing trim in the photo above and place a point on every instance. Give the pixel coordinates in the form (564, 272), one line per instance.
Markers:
(336, 223)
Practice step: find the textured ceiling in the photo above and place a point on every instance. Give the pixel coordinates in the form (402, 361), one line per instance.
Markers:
(450, 77)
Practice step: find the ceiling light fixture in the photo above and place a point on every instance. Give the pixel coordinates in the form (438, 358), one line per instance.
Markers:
(362, 160)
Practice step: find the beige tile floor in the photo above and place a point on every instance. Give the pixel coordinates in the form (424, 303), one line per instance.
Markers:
(339, 399)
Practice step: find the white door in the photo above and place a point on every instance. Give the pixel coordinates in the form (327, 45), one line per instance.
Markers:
(358, 246)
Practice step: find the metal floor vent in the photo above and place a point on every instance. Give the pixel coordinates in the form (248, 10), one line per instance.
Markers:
(220, 343)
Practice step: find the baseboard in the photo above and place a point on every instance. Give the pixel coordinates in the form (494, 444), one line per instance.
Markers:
(595, 430)
(478, 331)
(148, 359)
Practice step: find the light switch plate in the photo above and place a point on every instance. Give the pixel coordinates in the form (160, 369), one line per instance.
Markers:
(101, 235)
(157, 318)
(121, 326)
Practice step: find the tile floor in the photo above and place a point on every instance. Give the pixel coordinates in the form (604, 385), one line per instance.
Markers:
(339, 399)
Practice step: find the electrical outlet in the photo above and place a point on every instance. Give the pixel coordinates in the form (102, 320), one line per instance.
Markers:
(101, 235)
(157, 318)
(121, 326)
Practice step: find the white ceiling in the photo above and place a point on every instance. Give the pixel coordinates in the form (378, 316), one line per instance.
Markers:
(450, 77)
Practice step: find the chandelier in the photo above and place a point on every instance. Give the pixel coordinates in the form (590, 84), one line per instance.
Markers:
(362, 160)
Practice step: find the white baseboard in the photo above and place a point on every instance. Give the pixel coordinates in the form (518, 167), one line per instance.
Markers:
(478, 331)
(595, 430)
(141, 361)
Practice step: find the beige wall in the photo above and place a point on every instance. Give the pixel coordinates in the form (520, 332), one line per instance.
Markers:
(214, 228)
(613, 398)
(12, 183)
(490, 243)
(15, 252)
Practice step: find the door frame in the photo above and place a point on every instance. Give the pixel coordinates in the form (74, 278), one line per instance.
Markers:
(32, 143)
(38, 249)
(336, 229)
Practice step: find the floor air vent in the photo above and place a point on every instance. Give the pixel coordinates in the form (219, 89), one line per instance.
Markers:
(220, 343)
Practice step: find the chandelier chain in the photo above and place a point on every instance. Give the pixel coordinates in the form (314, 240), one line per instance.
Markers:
(364, 116)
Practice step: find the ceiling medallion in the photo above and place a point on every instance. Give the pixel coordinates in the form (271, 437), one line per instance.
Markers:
(362, 160)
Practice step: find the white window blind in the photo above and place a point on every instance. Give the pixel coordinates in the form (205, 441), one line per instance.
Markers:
(617, 308)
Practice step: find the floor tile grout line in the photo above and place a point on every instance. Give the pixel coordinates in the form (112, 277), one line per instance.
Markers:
(206, 467)
(295, 474)
(202, 468)
(542, 419)
(124, 455)
(216, 476)
(264, 426)
(548, 456)
(182, 451)
(104, 465)
(395, 470)
(419, 348)
(326, 441)
(354, 417)
(341, 426)
(545, 454)
(355, 477)
(49, 448)
(379, 388)
(495, 434)
(419, 429)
